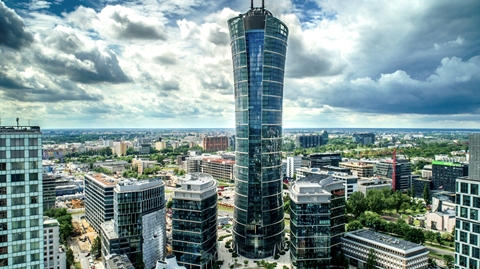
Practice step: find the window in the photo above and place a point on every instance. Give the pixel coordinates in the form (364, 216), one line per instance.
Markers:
(466, 200)
(19, 224)
(33, 176)
(3, 154)
(3, 142)
(34, 245)
(476, 228)
(463, 212)
(18, 189)
(3, 250)
(17, 154)
(33, 211)
(34, 234)
(17, 142)
(475, 253)
(463, 237)
(19, 259)
(35, 257)
(466, 226)
(3, 214)
(33, 153)
(3, 166)
(33, 199)
(3, 238)
(3, 262)
(464, 187)
(17, 178)
(465, 249)
(3, 202)
(33, 141)
(18, 213)
(3, 178)
(474, 214)
(18, 236)
(33, 165)
(473, 239)
(19, 248)
(18, 201)
(34, 222)
(3, 227)
(18, 165)
(474, 189)
(33, 188)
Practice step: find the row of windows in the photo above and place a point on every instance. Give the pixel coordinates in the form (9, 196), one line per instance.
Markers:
(463, 188)
(20, 166)
(269, 88)
(18, 178)
(18, 142)
(464, 213)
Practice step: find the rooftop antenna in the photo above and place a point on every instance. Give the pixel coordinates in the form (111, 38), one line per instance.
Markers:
(263, 4)
(18, 124)
(252, 4)
(28, 122)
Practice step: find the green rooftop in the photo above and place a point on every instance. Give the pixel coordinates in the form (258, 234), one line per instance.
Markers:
(446, 163)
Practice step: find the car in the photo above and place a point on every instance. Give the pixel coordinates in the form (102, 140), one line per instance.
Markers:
(88, 254)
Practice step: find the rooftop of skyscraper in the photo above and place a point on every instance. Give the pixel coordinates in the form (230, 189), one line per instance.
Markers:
(386, 241)
(20, 129)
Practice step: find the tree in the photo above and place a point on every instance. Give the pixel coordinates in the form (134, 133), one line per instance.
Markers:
(354, 225)
(70, 257)
(375, 201)
(449, 260)
(371, 260)
(426, 195)
(169, 204)
(432, 262)
(356, 204)
(286, 207)
(430, 236)
(138, 261)
(416, 236)
(96, 249)
(245, 262)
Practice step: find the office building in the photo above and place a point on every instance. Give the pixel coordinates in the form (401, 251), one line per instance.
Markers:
(54, 253)
(376, 183)
(309, 141)
(116, 261)
(427, 171)
(293, 163)
(99, 199)
(193, 164)
(231, 142)
(390, 252)
(217, 143)
(364, 138)
(219, 169)
(120, 149)
(467, 227)
(144, 149)
(160, 145)
(194, 222)
(324, 135)
(139, 223)
(359, 169)
(319, 160)
(419, 184)
(48, 187)
(317, 220)
(284, 168)
(444, 175)
(349, 181)
(21, 207)
(402, 173)
(259, 45)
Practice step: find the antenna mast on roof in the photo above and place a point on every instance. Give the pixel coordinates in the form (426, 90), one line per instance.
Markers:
(252, 4)
(263, 4)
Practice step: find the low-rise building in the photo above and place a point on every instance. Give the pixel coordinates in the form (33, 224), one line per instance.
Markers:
(366, 184)
(419, 185)
(219, 169)
(392, 253)
(116, 261)
(54, 253)
(427, 171)
(359, 169)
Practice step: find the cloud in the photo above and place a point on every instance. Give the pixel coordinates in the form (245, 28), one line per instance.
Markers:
(79, 58)
(118, 22)
(12, 29)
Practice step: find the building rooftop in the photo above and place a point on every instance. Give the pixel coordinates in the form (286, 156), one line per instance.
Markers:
(103, 179)
(20, 129)
(423, 179)
(386, 241)
(357, 164)
(132, 184)
(50, 222)
(108, 228)
(222, 161)
(116, 261)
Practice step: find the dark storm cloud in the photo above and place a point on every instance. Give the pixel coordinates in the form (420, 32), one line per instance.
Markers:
(166, 59)
(12, 29)
(91, 63)
(129, 29)
(452, 89)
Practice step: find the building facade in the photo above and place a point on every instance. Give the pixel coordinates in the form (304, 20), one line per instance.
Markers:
(139, 223)
(319, 160)
(215, 143)
(48, 187)
(259, 44)
(444, 175)
(21, 207)
(309, 141)
(364, 138)
(194, 222)
(403, 172)
(359, 169)
(366, 184)
(99, 199)
(419, 184)
(391, 252)
(317, 220)
(474, 153)
(293, 163)
(54, 253)
(219, 169)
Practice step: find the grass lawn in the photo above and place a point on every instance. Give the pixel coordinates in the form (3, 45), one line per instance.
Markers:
(434, 254)
(220, 184)
(77, 212)
(167, 191)
(439, 247)
(225, 208)
(78, 265)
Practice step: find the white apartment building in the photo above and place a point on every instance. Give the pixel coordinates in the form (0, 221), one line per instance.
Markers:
(54, 253)
(293, 163)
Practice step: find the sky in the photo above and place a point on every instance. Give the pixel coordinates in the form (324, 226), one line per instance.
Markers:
(167, 63)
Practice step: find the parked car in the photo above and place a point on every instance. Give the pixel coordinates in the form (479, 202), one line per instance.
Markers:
(88, 254)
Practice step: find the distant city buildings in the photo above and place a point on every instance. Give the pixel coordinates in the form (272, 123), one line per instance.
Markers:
(194, 222)
(120, 149)
(217, 143)
(219, 169)
(310, 140)
(21, 197)
(317, 220)
(48, 187)
(160, 145)
(364, 138)
(427, 171)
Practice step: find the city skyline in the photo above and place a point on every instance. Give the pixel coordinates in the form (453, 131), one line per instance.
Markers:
(146, 64)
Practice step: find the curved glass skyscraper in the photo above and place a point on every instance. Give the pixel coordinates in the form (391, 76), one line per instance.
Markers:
(259, 43)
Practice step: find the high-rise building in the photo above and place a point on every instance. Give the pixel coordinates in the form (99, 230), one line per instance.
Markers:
(319, 160)
(467, 227)
(21, 208)
(444, 175)
(215, 143)
(194, 222)
(317, 220)
(364, 138)
(259, 45)
(403, 172)
(48, 187)
(293, 163)
(99, 199)
(139, 223)
(309, 141)
(54, 253)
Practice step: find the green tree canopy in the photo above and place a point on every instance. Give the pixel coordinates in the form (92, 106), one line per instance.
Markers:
(375, 201)
(354, 225)
(96, 249)
(415, 235)
(356, 204)
(426, 195)
(371, 260)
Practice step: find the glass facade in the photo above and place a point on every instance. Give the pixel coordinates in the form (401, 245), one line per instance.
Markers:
(259, 43)
(21, 207)
(194, 230)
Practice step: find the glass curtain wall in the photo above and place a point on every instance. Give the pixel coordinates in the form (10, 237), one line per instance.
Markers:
(258, 42)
